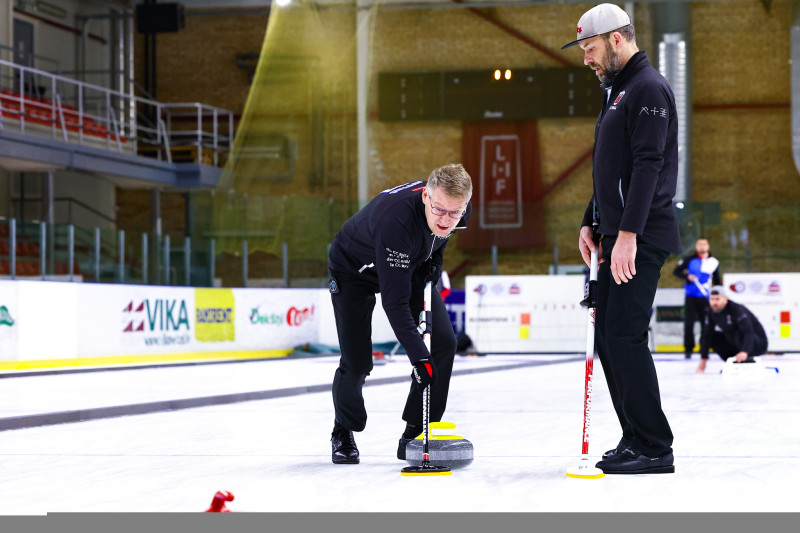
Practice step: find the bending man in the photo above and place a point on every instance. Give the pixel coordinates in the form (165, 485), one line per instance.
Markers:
(393, 246)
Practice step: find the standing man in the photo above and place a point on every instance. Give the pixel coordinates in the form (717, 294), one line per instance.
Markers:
(731, 330)
(699, 271)
(635, 168)
(393, 246)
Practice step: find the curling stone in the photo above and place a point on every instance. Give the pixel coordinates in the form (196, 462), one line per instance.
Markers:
(752, 368)
(445, 450)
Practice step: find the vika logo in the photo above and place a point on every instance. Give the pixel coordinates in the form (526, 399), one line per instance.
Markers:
(619, 97)
(580, 30)
(130, 326)
(162, 315)
(5, 317)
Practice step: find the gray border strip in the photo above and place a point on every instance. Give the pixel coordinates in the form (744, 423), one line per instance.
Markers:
(97, 413)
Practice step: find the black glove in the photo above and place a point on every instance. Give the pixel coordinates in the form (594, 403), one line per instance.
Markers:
(434, 273)
(423, 374)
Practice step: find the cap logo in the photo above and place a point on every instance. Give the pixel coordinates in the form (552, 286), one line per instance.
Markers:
(580, 30)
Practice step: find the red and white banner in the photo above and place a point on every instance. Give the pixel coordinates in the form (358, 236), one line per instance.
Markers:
(503, 160)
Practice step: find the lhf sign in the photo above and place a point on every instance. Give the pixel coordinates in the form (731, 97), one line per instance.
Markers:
(500, 203)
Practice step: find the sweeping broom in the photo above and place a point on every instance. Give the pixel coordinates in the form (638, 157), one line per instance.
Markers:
(426, 468)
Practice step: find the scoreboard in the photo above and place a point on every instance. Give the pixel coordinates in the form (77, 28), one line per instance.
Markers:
(491, 94)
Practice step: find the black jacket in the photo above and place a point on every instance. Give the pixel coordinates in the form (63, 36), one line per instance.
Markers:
(740, 327)
(635, 159)
(388, 243)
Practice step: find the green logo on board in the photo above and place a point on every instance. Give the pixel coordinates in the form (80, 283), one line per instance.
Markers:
(5, 317)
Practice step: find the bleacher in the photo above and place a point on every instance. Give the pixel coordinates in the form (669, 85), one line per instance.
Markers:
(27, 258)
(42, 111)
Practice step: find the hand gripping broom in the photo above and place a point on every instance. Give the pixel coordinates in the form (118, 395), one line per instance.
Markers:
(426, 468)
(584, 470)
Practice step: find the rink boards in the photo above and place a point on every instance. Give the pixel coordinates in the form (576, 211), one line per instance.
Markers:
(45, 320)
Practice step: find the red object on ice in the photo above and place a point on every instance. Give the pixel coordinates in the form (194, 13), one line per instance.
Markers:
(377, 354)
(218, 503)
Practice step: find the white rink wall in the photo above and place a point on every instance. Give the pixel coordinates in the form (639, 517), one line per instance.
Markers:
(518, 314)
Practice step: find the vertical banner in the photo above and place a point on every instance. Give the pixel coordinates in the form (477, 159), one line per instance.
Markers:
(503, 160)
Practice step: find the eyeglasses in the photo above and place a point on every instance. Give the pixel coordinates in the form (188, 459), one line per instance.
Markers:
(438, 211)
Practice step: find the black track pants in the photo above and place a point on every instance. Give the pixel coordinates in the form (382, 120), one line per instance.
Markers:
(352, 307)
(694, 309)
(623, 316)
(720, 344)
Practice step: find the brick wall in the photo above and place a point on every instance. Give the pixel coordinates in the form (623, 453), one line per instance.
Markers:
(741, 154)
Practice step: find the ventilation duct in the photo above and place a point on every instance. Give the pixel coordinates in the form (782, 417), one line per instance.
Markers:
(795, 75)
(671, 24)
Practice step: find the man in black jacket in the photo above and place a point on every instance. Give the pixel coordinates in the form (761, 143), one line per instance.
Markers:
(393, 246)
(731, 330)
(699, 271)
(635, 167)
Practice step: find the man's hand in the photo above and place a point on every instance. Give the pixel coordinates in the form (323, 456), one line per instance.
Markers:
(701, 367)
(741, 357)
(623, 257)
(434, 273)
(586, 245)
(691, 278)
(423, 374)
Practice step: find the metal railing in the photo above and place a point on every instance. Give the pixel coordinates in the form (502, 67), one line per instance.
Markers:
(65, 252)
(87, 114)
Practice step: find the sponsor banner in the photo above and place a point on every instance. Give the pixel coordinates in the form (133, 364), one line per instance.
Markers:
(775, 300)
(214, 315)
(48, 323)
(277, 318)
(525, 313)
(9, 317)
(382, 331)
(136, 319)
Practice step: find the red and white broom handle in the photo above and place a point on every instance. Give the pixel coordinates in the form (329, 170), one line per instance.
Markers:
(587, 394)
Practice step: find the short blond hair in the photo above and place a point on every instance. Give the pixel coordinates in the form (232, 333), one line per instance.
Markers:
(452, 179)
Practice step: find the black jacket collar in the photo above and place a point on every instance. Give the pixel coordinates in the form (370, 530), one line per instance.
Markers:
(637, 62)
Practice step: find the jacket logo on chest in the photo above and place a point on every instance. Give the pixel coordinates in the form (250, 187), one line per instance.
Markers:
(619, 97)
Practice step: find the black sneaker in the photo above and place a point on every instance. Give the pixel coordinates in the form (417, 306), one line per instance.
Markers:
(401, 448)
(631, 461)
(411, 433)
(344, 447)
(614, 451)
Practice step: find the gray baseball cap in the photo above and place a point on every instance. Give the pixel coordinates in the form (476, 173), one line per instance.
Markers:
(719, 290)
(601, 19)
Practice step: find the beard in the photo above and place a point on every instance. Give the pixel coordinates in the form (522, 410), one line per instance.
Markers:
(610, 66)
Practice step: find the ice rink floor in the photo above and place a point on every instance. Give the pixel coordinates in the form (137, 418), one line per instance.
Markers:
(737, 439)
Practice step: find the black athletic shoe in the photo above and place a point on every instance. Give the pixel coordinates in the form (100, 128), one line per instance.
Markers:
(411, 433)
(631, 461)
(344, 447)
(401, 448)
(614, 451)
